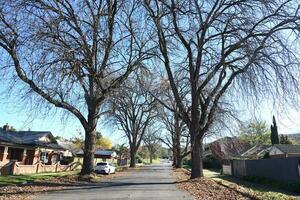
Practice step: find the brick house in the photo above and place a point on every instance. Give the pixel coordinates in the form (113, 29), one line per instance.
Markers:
(223, 150)
(29, 147)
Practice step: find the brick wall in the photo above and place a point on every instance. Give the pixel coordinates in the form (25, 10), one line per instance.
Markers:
(17, 169)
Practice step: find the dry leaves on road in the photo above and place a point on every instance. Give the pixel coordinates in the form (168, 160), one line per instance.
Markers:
(29, 190)
(206, 188)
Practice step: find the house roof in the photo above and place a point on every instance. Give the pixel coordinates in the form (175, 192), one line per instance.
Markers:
(101, 152)
(30, 138)
(256, 151)
(288, 148)
(226, 148)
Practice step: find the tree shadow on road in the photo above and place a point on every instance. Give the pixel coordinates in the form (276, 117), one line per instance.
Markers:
(70, 187)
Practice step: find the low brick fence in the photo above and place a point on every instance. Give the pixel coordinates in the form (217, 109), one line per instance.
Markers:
(285, 169)
(14, 168)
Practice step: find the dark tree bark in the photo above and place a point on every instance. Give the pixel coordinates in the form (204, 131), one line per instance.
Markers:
(88, 156)
(174, 164)
(132, 157)
(196, 155)
(177, 135)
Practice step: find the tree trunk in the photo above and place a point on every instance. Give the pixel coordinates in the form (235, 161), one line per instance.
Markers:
(89, 149)
(196, 136)
(178, 161)
(177, 139)
(90, 139)
(174, 157)
(151, 158)
(132, 158)
(197, 165)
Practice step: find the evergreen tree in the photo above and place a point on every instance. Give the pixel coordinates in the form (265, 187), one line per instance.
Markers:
(285, 140)
(274, 133)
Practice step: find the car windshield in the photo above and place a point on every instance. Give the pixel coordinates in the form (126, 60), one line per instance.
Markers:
(101, 164)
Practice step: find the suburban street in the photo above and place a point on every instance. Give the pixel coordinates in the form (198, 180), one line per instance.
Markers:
(148, 182)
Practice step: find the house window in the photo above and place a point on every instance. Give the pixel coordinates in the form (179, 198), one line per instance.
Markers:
(15, 154)
(44, 157)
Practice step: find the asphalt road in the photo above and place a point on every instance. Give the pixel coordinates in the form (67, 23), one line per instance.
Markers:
(149, 182)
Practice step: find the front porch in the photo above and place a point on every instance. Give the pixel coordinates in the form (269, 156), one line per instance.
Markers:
(26, 160)
(24, 155)
(28, 155)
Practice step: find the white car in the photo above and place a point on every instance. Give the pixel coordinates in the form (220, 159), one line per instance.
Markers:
(105, 167)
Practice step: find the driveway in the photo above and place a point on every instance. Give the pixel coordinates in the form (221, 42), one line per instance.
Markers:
(149, 182)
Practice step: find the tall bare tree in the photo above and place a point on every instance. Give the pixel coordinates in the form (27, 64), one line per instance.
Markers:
(225, 46)
(176, 137)
(152, 141)
(73, 54)
(133, 109)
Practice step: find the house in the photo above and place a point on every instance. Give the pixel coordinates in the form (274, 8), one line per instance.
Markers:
(256, 152)
(104, 154)
(284, 151)
(29, 147)
(283, 163)
(100, 153)
(224, 149)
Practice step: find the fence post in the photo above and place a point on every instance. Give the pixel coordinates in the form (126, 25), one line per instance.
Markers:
(56, 166)
(232, 171)
(14, 166)
(37, 167)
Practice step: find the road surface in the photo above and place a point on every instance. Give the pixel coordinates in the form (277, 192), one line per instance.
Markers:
(149, 182)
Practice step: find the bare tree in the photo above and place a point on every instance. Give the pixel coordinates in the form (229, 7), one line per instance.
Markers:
(225, 46)
(152, 141)
(73, 54)
(133, 110)
(176, 137)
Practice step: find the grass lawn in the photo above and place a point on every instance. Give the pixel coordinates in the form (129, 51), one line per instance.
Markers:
(188, 167)
(258, 190)
(154, 161)
(19, 179)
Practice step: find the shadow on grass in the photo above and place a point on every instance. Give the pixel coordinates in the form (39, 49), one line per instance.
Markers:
(250, 185)
(256, 187)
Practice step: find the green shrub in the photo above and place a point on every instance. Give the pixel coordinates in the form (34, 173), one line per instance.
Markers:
(210, 162)
(187, 161)
(139, 159)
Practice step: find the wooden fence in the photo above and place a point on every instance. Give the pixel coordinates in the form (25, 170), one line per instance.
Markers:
(286, 169)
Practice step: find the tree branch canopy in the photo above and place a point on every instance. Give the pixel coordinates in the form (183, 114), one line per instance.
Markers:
(72, 54)
(225, 49)
(223, 44)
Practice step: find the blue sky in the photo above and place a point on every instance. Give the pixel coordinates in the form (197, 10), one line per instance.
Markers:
(23, 120)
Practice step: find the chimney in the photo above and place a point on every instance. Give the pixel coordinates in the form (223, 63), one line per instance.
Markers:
(6, 127)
